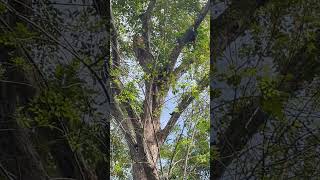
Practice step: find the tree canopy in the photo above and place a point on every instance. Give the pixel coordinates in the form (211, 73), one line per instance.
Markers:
(264, 122)
(156, 89)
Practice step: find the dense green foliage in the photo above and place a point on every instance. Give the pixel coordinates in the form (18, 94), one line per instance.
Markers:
(170, 20)
(268, 112)
(58, 97)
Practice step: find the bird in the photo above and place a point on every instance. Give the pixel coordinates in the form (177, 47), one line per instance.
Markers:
(190, 36)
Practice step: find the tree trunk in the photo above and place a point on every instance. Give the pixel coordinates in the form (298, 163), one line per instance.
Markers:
(144, 165)
(145, 159)
(147, 152)
(144, 170)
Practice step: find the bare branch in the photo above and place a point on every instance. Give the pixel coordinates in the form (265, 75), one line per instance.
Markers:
(114, 42)
(187, 37)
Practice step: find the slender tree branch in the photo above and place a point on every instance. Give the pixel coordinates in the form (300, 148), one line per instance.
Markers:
(121, 120)
(101, 8)
(9, 175)
(160, 83)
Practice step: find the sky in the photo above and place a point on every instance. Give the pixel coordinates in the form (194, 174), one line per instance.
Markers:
(168, 107)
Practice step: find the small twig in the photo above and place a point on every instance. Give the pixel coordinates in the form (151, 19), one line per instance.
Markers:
(7, 173)
(14, 82)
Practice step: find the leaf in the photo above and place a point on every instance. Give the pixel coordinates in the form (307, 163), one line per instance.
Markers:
(214, 152)
(3, 8)
(274, 106)
(215, 93)
(203, 126)
(234, 80)
(249, 72)
(118, 169)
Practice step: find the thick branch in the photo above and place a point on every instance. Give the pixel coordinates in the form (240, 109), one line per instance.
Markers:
(226, 28)
(183, 67)
(141, 43)
(187, 37)
(161, 82)
(114, 43)
(146, 18)
(240, 130)
(120, 118)
(184, 103)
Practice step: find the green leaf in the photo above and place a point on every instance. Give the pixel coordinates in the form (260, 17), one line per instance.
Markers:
(3, 8)
(234, 80)
(274, 106)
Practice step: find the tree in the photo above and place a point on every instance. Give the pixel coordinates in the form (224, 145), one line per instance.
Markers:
(45, 133)
(61, 117)
(60, 92)
(159, 37)
(258, 118)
